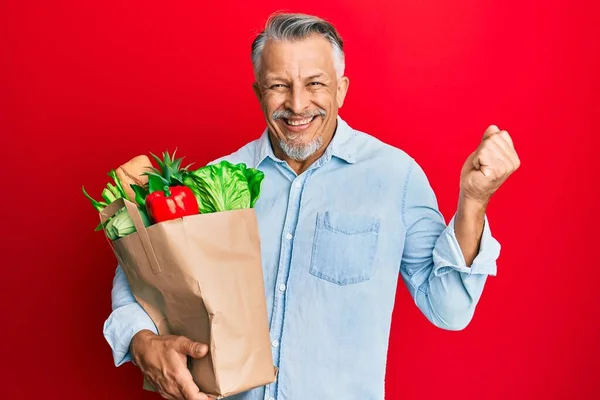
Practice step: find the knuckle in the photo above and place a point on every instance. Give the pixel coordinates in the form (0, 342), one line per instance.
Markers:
(491, 129)
(497, 140)
(485, 151)
(488, 143)
(181, 342)
(506, 136)
(189, 346)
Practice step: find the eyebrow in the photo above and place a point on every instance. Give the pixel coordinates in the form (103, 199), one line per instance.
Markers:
(278, 78)
(274, 78)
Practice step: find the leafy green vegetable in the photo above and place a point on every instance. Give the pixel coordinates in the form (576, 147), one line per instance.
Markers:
(254, 178)
(170, 169)
(140, 195)
(98, 205)
(108, 196)
(156, 182)
(120, 224)
(224, 186)
(118, 190)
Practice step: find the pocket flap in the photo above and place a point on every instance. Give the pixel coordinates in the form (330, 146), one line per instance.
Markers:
(350, 224)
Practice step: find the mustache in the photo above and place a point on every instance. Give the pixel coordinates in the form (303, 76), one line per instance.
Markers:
(285, 114)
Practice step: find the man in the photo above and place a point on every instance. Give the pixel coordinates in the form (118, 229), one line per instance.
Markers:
(340, 215)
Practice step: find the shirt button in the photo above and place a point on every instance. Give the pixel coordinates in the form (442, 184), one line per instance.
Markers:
(282, 288)
(288, 236)
(298, 185)
(271, 398)
(275, 343)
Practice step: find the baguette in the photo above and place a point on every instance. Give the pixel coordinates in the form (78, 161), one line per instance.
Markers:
(131, 172)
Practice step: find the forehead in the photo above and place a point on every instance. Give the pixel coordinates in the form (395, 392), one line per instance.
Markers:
(307, 56)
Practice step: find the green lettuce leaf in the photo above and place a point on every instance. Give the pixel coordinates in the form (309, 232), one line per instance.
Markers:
(224, 186)
(254, 177)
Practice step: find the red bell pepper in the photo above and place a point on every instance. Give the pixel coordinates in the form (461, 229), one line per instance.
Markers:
(171, 203)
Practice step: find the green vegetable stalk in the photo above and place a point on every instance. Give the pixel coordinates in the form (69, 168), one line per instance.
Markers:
(121, 224)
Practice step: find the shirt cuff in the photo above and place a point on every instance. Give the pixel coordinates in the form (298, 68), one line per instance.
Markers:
(448, 256)
(121, 326)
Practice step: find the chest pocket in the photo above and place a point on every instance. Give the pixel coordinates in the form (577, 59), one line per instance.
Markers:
(344, 247)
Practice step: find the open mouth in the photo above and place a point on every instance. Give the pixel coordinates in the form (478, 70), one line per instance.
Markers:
(296, 125)
(299, 122)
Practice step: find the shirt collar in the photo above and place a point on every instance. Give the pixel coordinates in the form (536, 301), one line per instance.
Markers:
(342, 146)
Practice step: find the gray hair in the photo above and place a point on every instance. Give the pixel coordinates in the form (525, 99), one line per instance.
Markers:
(292, 27)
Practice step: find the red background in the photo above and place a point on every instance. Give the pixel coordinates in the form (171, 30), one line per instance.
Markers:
(86, 85)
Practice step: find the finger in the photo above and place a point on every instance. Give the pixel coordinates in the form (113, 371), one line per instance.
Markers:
(501, 165)
(509, 151)
(500, 161)
(172, 392)
(191, 392)
(503, 150)
(168, 390)
(492, 129)
(191, 348)
(166, 395)
(512, 152)
(508, 156)
(476, 163)
(504, 135)
(188, 387)
(158, 387)
(487, 162)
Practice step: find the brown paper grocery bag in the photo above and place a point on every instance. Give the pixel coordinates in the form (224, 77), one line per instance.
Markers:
(201, 277)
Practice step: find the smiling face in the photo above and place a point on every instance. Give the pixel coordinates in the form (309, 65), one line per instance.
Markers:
(300, 94)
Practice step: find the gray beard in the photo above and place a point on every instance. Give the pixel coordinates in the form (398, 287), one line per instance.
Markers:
(301, 152)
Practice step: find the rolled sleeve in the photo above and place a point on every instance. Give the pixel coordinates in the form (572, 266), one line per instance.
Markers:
(448, 256)
(444, 288)
(126, 319)
(121, 326)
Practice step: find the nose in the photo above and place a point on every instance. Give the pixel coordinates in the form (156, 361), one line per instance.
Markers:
(298, 99)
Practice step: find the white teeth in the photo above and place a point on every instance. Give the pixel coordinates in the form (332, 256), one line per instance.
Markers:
(296, 123)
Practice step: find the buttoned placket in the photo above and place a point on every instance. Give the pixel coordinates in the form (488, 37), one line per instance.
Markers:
(287, 241)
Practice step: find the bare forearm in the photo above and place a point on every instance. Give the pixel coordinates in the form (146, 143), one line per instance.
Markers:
(468, 227)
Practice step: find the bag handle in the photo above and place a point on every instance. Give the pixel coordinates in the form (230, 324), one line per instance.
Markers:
(134, 213)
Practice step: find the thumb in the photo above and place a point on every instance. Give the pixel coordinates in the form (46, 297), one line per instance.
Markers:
(191, 348)
(477, 164)
(486, 171)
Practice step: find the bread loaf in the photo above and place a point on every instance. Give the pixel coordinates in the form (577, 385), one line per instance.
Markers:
(131, 172)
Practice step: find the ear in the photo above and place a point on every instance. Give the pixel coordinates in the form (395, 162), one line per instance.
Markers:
(342, 89)
(257, 92)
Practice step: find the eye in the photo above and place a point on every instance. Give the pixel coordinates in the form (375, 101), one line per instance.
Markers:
(315, 84)
(278, 86)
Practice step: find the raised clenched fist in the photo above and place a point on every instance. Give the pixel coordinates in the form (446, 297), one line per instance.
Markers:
(488, 167)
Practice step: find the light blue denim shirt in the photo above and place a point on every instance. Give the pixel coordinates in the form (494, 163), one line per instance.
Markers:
(333, 241)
